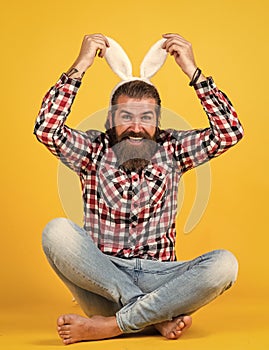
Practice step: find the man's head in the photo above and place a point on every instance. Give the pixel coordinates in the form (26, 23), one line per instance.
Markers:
(133, 123)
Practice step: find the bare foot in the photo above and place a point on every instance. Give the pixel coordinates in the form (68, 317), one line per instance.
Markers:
(174, 329)
(74, 328)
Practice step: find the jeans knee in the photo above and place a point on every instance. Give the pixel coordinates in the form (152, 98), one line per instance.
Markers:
(225, 267)
(53, 232)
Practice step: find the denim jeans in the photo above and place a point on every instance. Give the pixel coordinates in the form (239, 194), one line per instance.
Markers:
(138, 292)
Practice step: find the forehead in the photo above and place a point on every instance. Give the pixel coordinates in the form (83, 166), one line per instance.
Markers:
(136, 105)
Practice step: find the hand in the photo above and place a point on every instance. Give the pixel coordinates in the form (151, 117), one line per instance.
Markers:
(181, 49)
(91, 46)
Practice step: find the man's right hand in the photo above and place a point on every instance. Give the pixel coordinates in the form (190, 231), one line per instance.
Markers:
(92, 45)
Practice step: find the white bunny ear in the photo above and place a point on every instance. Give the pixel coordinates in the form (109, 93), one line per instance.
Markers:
(153, 60)
(118, 60)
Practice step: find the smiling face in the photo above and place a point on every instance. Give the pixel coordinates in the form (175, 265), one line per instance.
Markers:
(135, 119)
(135, 125)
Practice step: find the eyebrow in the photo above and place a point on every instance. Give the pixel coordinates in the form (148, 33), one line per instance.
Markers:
(126, 112)
(130, 113)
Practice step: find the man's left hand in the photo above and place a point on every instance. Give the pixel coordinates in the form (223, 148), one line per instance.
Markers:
(181, 50)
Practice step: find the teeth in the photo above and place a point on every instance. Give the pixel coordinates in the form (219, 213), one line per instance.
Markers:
(136, 138)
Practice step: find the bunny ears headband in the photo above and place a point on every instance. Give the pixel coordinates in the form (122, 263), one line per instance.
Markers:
(119, 62)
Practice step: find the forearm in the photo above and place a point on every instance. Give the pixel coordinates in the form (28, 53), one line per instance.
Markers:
(195, 147)
(225, 126)
(57, 102)
(55, 108)
(71, 146)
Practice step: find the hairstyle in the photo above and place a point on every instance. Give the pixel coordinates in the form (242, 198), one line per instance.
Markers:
(136, 89)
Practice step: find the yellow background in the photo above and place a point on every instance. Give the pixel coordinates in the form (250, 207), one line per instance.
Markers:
(40, 40)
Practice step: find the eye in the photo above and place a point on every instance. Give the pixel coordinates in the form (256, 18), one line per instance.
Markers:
(147, 118)
(126, 117)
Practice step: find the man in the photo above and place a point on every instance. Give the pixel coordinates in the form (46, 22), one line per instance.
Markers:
(121, 267)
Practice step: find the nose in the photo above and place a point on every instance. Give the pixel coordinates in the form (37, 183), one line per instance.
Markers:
(135, 126)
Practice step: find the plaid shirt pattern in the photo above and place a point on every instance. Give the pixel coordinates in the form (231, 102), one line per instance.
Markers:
(129, 214)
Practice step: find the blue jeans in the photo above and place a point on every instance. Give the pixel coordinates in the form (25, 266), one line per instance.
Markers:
(138, 292)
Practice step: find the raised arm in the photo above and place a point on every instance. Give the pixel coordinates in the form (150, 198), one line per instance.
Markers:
(195, 147)
(70, 145)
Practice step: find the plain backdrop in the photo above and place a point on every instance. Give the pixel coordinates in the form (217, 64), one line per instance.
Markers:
(40, 40)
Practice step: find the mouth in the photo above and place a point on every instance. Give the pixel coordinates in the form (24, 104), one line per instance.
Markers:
(135, 140)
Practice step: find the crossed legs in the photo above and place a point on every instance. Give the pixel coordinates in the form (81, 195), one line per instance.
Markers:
(164, 296)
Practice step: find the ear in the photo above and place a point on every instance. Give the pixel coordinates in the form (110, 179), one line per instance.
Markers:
(153, 60)
(118, 60)
(109, 121)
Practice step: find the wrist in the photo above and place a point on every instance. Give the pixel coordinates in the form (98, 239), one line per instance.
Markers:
(197, 77)
(190, 70)
(78, 68)
(201, 78)
(74, 73)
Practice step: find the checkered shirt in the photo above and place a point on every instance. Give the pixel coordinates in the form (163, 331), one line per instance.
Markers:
(129, 214)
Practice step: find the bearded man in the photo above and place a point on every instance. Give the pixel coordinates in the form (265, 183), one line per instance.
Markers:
(121, 266)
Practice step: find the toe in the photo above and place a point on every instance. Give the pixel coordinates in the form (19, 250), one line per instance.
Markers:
(187, 321)
(60, 321)
(174, 334)
(64, 320)
(171, 335)
(177, 334)
(64, 333)
(180, 325)
(67, 341)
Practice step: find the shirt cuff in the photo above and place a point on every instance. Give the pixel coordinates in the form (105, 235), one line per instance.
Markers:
(68, 84)
(66, 79)
(205, 88)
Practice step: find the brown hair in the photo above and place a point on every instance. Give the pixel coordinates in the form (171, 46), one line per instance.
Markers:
(134, 89)
(137, 89)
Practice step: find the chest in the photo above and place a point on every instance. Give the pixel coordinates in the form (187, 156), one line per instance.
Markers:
(117, 190)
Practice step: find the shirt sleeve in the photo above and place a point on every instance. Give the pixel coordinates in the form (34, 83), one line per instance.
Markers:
(70, 146)
(195, 147)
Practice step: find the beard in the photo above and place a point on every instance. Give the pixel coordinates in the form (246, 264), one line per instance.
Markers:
(133, 156)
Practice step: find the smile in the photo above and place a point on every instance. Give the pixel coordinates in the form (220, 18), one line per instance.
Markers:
(135, 140)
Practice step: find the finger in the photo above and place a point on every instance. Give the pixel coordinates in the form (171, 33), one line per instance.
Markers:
(166, 35)
(178, 46)
(101, 37)
(102, 45)
(174, 48)
(173, 35)
(107, 42)
(174, 39)
(98, 39)
(99, 47)
(102, 51)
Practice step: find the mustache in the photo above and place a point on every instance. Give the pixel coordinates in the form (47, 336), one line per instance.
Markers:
(128, 134)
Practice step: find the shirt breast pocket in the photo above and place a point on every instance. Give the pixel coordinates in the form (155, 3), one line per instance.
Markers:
(158, 180)
(113, 188)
